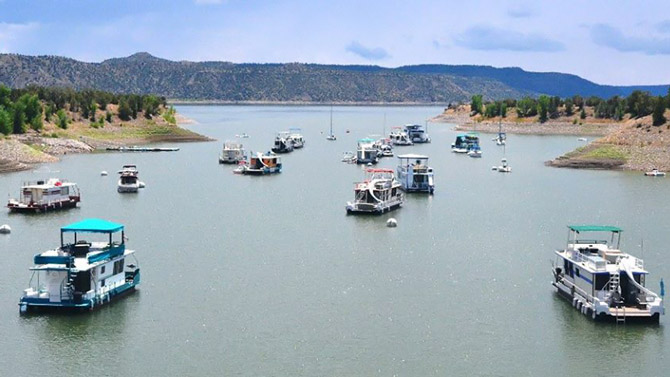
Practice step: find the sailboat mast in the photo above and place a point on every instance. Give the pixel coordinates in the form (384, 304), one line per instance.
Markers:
(331, 120)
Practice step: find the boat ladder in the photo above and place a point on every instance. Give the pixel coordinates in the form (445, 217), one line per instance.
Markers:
(620, 314)
(613, 283)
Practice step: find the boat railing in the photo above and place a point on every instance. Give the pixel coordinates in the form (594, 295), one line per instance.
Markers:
(581, 258)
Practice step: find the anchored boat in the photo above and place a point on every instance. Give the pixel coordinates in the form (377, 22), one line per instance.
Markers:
(379, 193)
(399, 136)
(296, 137)
(43, 196)
(283, 143)
(655, 173)
(128, 179)
(232, 153)
(367, 152)
(417, 133)
(602, 281)
(414, 175)
(464, 142)
(82, 274)
(260, 164)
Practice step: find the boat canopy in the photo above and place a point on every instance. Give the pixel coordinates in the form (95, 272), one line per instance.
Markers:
(92, 226)
(595, 228)
(413, 156)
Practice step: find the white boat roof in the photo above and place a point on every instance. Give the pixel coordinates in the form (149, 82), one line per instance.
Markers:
(50, 183)
(413, 156)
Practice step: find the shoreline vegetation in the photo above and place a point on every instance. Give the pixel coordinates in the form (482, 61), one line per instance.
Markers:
(634, 132)
(41, 124)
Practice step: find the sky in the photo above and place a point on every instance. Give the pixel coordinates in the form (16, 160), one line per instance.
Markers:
(613, 42)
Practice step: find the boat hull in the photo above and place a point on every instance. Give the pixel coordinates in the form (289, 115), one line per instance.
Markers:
(38, 208)
(366, 209)
(35, 305)
(579, 303)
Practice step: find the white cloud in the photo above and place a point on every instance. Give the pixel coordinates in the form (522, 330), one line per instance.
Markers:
(12, 34)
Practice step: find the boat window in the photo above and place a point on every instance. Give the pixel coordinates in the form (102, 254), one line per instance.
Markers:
(102, 270)
(64, 190)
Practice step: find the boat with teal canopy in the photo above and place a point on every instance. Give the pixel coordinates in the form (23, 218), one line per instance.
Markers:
(602, 281)
(82, 274)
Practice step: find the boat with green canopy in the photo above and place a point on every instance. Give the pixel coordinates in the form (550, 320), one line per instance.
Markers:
(81, 274)
(602, 281)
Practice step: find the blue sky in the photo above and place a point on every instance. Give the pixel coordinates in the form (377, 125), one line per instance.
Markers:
(609, 42)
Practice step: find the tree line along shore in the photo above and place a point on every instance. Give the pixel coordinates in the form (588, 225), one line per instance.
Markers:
(39, 123)
(634, 130)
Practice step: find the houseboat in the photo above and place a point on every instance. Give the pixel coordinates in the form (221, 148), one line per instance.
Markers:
(414, 175)
(399, 136)
(283, 143)
(378, 194)
(82, 274)
(417, 133)
(297, 138)
(602, 281)
(367, 152)
(43, 196)
(260, 164)
(128, 179)
(464, 142)
(232, 153)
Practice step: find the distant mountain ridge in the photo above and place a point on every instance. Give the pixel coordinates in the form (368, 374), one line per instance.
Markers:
(297, 82)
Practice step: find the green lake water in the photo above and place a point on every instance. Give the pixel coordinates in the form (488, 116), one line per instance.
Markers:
(268, 276)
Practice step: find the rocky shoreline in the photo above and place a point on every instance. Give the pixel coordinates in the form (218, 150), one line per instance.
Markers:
(22, 152)
(632, 144)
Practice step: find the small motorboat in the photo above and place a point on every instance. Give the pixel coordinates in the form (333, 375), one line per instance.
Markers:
(582, 139)
(654, 173)
(5, 229)
(475, 151)
(349, 157)
(128, 180)
(503, 168)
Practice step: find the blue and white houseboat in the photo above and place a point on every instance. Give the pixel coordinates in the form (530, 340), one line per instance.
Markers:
(367, 152)
(82, 274)
(464, 142)
(417, 133)
(414, 175)
(600, 280)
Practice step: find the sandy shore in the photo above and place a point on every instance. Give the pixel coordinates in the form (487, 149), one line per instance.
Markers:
(465, 123)
(21, 152)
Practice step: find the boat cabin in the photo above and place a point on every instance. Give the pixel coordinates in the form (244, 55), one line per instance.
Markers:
(82, 273)
(414, 175)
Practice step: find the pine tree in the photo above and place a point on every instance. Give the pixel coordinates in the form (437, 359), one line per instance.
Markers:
(659, 109)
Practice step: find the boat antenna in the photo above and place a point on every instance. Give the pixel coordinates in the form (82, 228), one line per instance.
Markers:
(384, 129)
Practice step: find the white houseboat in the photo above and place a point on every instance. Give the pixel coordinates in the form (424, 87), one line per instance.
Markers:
(232, 153)
(43, 196)
(260, 164)
(417, 133)
(82, 274)
(297, 138)
(414, 175)
(128, 179)
(602, 281)
(283, 143)
(399, 136)
(367, 152)
(379, 193)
